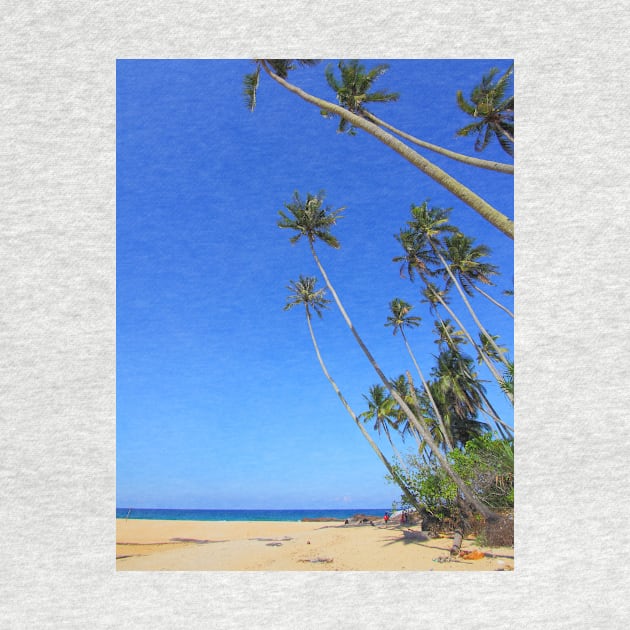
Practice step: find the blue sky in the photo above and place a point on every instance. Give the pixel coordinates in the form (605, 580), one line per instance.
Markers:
(220, 400)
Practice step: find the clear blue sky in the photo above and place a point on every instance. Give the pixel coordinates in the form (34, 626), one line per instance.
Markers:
(220, 400)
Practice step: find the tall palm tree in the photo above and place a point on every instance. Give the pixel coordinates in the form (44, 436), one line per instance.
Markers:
(381, 411)
(431, 224)
(415, 403)
(447, 335)
(353, 93)
(459, 391)
(492, 215)
(312, 221)
(465, 262)
(353, 90)
(492, 110)
(399, 320)
(303, 292)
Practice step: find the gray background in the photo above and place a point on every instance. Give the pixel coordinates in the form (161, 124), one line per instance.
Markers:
(57, 371)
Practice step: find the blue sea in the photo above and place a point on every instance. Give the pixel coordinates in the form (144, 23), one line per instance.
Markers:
(242, 515)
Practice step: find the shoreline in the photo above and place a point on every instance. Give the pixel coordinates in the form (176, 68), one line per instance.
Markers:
(153, 545)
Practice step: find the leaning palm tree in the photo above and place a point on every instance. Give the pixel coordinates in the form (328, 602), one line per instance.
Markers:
(459, 391)
(491, 214)
(353, 90)
(381, 411)
(303, 292)
(465, 262)
(492, 110)
(399, 320)
(310, 220)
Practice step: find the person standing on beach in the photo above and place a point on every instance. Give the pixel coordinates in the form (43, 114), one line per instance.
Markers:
(386, 518)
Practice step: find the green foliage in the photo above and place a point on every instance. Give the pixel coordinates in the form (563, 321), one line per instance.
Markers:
(309, 218)
(492, 111)
(507, 385)
(304, 292)
(354, 89)
(486, 465)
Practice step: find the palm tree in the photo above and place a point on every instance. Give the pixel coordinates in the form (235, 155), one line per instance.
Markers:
(312, 221)
(489, 350)
(353, 93)
(464, 260)
(381, 411)
(399, 320)
(415, 403)
(459, 391)
(430, 224)
(447, 335)
(303, 292)
(492, 110)
(496, 218)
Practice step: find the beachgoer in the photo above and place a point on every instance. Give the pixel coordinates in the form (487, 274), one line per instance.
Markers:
(386, 518)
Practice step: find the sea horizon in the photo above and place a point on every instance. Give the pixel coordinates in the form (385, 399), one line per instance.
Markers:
(192, 514)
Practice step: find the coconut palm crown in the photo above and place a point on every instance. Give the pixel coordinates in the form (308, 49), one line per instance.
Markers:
(353, 89)
(303, 292)
(309, 218)
(492, 110)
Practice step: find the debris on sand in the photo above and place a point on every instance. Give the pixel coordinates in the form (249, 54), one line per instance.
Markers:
(315, 560)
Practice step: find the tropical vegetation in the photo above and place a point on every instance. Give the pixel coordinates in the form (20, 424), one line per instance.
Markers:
(459, 451)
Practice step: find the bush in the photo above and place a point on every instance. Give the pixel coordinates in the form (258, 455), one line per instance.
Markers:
(485, 464)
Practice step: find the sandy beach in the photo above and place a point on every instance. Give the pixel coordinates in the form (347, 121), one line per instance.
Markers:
(151, 545)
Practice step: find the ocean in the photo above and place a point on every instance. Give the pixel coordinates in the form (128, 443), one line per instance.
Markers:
(242, 515)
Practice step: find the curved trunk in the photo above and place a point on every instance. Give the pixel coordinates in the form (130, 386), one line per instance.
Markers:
(489, 297)
(484, 332)
(409, 496)
(496, 218)
(466, 159)
(467, 492)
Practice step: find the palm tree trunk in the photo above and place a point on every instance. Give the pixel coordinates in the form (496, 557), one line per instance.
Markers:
(496, 218)
(466, 159)
(467, 492)
(427, 389)
(484, 332)
(408, 494)
(489, 297)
